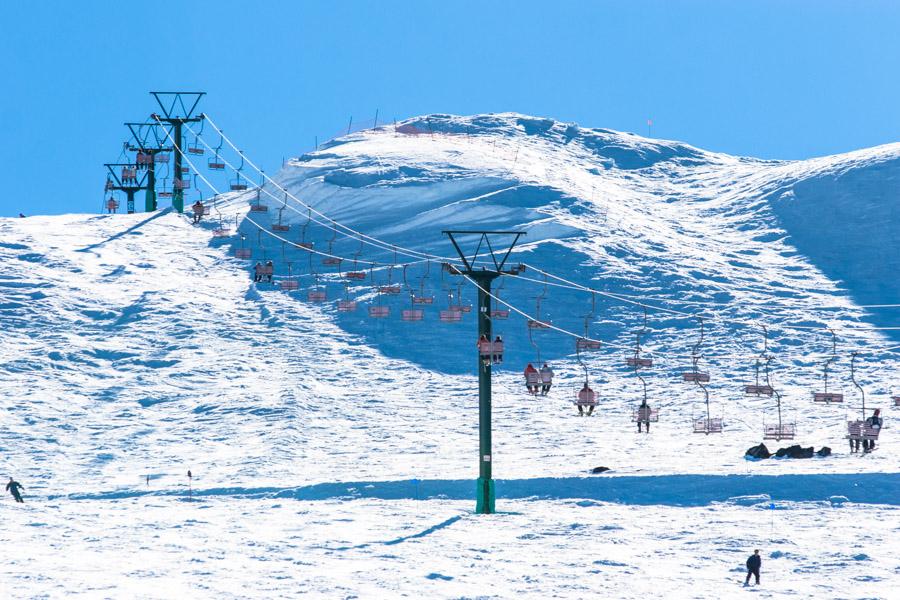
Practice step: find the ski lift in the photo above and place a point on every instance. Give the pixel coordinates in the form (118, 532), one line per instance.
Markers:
(491, 352)
(452, 314)
(112, 205)
(144, 159)
(164, 193)
(161, 157)
(279, 226)
(827, 397)
(496, 311)
(238, 185)
(636, 361)
(316, 293)
(257, 205)
(644, 414)
(346, 305)
(586, 397)
(244, 253)
(584, 342)
(290, 283)
(421, 298)
(196, 148)
(694, 374)
(129, 174)
(460, 306)
(755, 389)
(215, 163)
(377, 310)
(412, 313)
(182, 184)
(390, 288)
(303, 243)
(536, 322)
(781, 431)
(332, 260)
(861, 430)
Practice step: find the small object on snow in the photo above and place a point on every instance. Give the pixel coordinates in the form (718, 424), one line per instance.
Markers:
(598, 470)
(824, 451)
(795, 451)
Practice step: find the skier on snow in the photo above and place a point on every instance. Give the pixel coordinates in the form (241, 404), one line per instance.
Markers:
(13, 488)
(753, 565)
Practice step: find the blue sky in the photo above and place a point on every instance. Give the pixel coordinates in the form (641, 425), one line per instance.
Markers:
(771, 79)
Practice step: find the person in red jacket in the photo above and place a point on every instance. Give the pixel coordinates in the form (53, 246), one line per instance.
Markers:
(532, 379)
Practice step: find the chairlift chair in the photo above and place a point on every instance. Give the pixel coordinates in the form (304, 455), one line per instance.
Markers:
(112, 204)
(279, 226)
(182, 184)
(637, 361)
(215, 163)
(452, 314)
(257, 205)
(332, 260)
(161, 157)
(860, 431)
(289, 283)
(196, 148)
(244, 253)
(757, 389)
(826, 397)
(164, 193)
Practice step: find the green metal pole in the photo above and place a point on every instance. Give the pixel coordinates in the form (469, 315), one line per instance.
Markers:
(130, 205)
(150, 197)
(484, 504)
(177, 193)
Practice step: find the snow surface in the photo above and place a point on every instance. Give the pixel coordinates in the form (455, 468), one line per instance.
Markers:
(335, 456)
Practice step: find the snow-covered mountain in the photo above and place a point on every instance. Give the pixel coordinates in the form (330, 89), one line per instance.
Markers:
(138, 345)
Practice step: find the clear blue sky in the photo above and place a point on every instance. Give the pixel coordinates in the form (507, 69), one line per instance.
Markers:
(772, 79)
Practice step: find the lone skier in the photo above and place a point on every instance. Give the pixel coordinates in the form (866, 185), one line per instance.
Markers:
(753, 565)
(13, 488)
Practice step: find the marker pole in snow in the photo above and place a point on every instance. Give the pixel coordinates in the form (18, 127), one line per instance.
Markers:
(482, 277)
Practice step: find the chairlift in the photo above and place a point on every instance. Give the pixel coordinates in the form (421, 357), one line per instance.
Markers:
(412, 313)
(290, 283)
(237, 184)
(215, 162)
(182, 184)
(196, 148)
(452, 314)
(161, 157)
(420, 298)
(346, 305)
(390, 288)
(644, 414)
(536, 322)
(826, 397)
(460, 306)
(112, 205)
(586, 397)
(332, 260)
(143, 159)
(637, 361)
(303, 243)
(129, 174)
(244, 253)
(861, 430)
(164, 193)
(377, 310)
(496, 311)
(755, 389)
(782, 430)
(279, 226)
(694, 374)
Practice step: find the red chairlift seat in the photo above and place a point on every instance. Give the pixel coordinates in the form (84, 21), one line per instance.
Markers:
(280, 227)
(488, 348)
(707, 426)
(695, 376)
(185, 170)
(859, 431)
(144, 159)
(238, 187)
(202, 210)
(220, 232)
(758, 390)
(331, 260)
(827, 397)
(412, 314)
(499, 314)
(129, 173)
(266, 270)
(639, 362)
(215, 165)
(256, 207)
(195, 149)
(165, 194)
(161, 157)
(389, 289)
(379, 312)
(785, 431)
(450, 316)
(289, 284)
(182, 184)
(532, 378)
(359, 275)
(112, 204)
(346, 305)
(429, 300)
(316, 295)
(645, 414)
(307, 245)
(244, 253)
(586, 398)
(586, 344)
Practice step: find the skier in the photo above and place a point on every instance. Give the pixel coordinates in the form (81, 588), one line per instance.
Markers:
(257, 272)
(586, 396)
(531, 379)
(874, 422)
(198, 211)
(270, 269)
(753, 565)
(13, 488)
(644, 415)
(546, 379)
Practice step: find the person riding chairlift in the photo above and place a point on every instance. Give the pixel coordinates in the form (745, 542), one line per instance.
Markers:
(644, 415)
(546, 379)
(497, 355)
(874, 422)
(531, 379)
(198, 211)
(258, 272)
(586, 396)
(270, 269)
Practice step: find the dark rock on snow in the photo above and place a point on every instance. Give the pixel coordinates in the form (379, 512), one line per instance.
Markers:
(758, 452)
(825, 451)
(597, 470)
(795, 451)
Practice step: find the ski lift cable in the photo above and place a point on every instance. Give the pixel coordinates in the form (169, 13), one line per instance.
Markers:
(263, 229)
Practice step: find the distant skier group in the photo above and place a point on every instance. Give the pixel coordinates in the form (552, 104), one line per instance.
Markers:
(263, 272)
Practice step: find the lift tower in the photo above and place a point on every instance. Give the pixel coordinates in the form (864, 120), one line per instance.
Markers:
(147, 143)
(132, 180)
(482, 277)
(176, 113)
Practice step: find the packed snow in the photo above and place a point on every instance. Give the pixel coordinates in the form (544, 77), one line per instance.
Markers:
(334, 455)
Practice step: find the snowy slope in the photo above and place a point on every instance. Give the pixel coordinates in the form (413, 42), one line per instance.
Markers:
(335, 456)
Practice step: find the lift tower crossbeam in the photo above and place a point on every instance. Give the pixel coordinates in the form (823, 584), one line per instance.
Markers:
(484, 503)
(116, 183)
(147, 141)
(177, 112)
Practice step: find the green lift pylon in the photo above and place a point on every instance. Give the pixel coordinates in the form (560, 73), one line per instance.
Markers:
(147, 143)
(177, 112)
(482, 278)
(130, 185)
